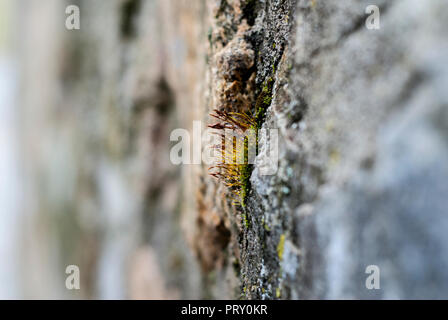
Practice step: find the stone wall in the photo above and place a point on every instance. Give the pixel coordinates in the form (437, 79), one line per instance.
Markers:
(361, 179)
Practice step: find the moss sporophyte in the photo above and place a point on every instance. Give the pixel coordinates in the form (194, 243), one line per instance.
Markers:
(236, 151)
(238, 133)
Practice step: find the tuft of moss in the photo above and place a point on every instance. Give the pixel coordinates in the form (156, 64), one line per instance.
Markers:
(281, 247)
(236, 176)
(266, 227)
(231, 170)
(245, 220)
(267, 100)
(246, 171)
(278, 293)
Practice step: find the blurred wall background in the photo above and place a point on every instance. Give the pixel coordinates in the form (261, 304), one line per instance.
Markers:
(10, 189)
(88, 130)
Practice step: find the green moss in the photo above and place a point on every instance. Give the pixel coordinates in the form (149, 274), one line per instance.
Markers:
(264, 99)
(246, 171)
(245, 184)
(266, 227)
(278, 293)
(281, 247)
(240, 182)
(267, 100)
(236, 175)
(245, 221)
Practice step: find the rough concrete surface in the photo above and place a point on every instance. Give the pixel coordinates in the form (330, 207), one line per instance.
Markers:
(363, 147)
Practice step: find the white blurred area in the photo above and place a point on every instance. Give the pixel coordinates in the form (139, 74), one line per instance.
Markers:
(10, 195)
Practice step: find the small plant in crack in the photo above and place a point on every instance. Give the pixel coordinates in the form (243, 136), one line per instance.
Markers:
(237, 149)
(238, 133)
(238, 146)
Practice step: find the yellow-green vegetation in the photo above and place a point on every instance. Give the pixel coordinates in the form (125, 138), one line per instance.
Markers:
(278, 293)
(265, 225)
(281, 247)
(245, 221)
(233, 167)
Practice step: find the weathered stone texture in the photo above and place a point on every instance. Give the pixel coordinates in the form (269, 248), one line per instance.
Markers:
(362, 118)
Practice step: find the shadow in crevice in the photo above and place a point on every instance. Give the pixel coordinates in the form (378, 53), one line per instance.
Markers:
(129, 12)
